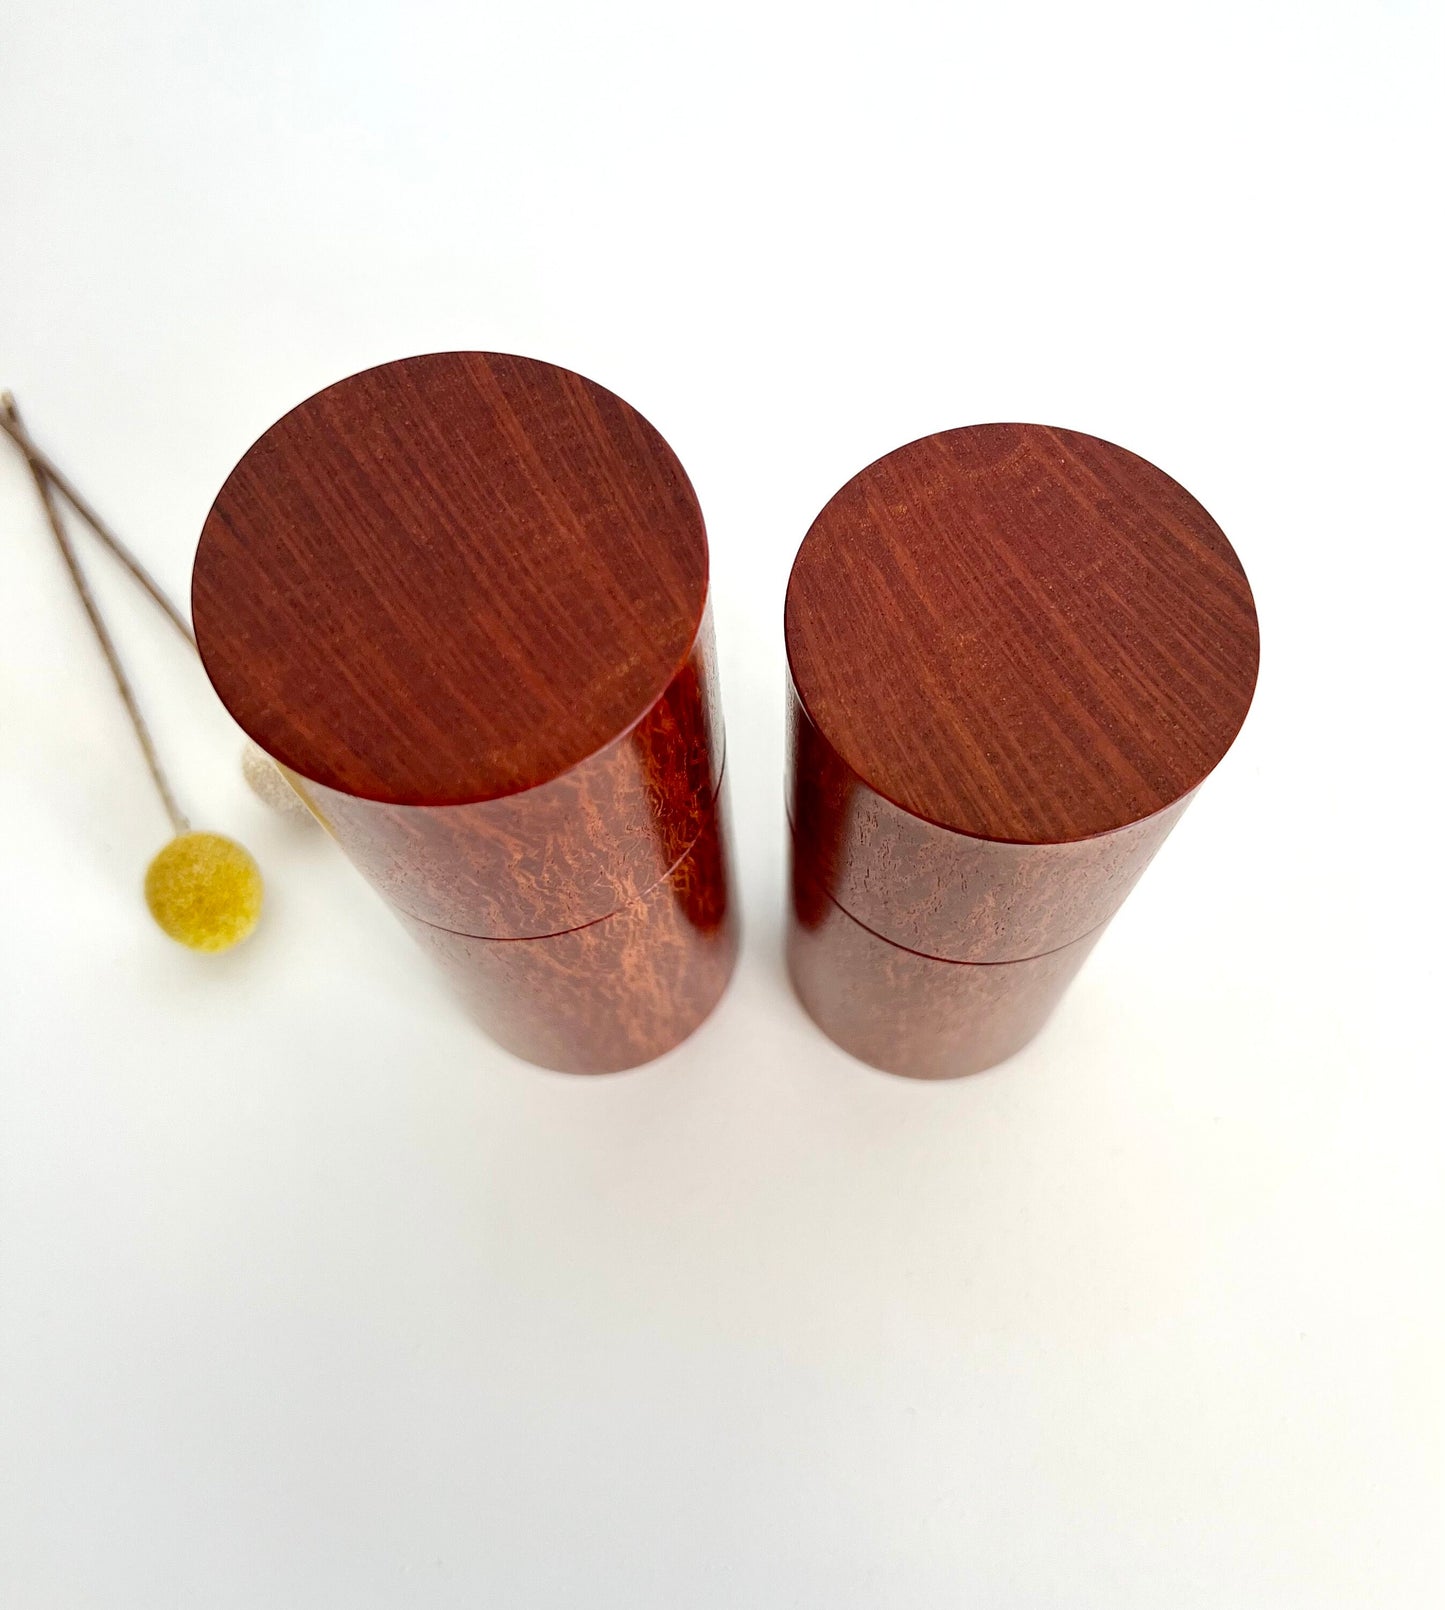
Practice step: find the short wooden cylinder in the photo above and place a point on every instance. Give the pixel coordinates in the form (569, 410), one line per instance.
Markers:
(461, 599)
(1015, 653)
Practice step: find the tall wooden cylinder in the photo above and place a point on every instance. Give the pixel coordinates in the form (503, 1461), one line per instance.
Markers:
(462, 600)
(1015, 653)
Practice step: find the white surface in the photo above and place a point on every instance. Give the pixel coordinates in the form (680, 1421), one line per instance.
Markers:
(309, 1297)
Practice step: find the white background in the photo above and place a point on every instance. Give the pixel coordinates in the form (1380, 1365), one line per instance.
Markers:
(309, 1297)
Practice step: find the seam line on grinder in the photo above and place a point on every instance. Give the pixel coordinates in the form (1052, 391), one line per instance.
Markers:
(637, 899)
(927, 955)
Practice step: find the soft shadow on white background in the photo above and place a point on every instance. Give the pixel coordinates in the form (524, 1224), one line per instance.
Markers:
(308, 1295)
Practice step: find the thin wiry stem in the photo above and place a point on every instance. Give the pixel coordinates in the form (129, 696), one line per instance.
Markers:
(13, 427)
(92, 609)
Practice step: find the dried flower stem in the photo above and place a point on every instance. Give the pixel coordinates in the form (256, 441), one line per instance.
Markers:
(42, 477)
(17, 432)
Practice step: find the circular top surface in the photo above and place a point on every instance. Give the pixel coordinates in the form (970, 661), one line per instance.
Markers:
(449, 578)
(1021, 633)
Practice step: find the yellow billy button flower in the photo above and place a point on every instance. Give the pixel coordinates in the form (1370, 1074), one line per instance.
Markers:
(205, 891)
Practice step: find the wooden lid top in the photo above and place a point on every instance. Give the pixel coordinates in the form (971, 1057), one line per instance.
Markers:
(1023, 634)
(449, 579)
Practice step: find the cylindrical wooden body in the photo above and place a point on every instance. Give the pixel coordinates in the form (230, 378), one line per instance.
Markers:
(1015, 653)
(461, 600)
(610, 994)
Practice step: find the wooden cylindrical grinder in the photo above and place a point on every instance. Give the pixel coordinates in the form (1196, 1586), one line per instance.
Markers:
(461, 599)
(1015, 654)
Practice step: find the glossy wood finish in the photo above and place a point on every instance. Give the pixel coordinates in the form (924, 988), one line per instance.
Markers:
(917, 1015)
(614, 993)
(462, 600)
(559, 855)
(1022, 634)
(949, 894)
(449, 579)
(1015, 653)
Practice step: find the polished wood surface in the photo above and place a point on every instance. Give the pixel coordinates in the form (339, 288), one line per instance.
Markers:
(462, 600)
(564, 853)
(449, 579)
(949, 894)
(612, 994)
(1015, 653)
(1022, 633)
(915, 1015)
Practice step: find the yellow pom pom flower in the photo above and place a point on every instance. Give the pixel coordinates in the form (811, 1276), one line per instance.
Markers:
(205, 891)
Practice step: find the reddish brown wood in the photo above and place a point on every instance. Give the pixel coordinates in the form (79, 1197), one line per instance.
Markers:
(614, 993)
(1016, 652)
(462, 599)
(917, 1015)
(449, 579)
(564, 853)
(950, 894)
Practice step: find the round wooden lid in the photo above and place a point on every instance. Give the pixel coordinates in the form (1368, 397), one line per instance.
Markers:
(449, 579)
(1021, 633)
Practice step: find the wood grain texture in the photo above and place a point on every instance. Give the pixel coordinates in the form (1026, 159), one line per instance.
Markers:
(449, 579)
(615, 993)
(1015, 653)
(462, 600)
(948, 894)
(1022, 634)
(564, 853)
(915, 1015)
